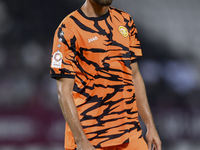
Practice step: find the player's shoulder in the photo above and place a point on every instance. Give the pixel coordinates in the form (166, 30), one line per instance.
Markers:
(120, 13)
(67, 21)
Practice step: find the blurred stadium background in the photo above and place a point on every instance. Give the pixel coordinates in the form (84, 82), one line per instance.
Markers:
(169, 30)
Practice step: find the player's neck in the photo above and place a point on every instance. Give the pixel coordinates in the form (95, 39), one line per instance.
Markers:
(93, 10)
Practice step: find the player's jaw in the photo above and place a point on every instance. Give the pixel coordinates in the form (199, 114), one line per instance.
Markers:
(103, 2)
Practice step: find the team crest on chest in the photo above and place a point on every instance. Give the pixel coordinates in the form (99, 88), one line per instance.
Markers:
(123, 31)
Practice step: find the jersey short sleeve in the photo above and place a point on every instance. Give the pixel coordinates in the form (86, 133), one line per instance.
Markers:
(134, 47)
(63, 61)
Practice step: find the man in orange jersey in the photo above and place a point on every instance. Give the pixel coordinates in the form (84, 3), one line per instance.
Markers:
(100, 89)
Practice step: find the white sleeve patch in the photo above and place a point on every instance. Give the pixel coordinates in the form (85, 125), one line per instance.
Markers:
(57, 60)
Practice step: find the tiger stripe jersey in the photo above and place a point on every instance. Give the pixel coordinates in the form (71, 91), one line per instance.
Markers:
(97, 52)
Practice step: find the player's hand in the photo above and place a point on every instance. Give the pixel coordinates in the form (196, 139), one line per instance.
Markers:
(153, 139)
(85, 145)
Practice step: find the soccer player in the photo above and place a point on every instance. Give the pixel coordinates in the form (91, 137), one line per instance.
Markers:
(100, 89)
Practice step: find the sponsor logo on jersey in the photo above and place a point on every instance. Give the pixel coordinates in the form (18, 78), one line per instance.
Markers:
(57, 60)
(123, 31)
(92, 39)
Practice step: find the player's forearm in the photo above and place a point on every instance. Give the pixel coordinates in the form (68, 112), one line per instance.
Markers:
(142, 102)
(70, 114)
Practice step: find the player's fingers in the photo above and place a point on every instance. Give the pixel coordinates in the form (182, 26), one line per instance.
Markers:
(158, 145)
(149, 143)
(154, 146)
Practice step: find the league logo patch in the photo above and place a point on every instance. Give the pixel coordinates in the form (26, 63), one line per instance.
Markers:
(123, 31)
(56, 60)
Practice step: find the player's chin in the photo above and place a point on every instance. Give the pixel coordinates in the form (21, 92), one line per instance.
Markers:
(108, 2)
(104, 2)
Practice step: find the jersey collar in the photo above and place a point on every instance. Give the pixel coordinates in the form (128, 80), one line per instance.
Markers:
(94, 18)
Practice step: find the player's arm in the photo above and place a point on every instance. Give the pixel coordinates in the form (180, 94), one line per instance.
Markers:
(69, 110)
(152, 136)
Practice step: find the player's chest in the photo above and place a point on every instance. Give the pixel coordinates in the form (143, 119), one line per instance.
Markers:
(103, 35)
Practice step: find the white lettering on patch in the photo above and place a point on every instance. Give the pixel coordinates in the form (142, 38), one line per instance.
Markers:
(56, 60)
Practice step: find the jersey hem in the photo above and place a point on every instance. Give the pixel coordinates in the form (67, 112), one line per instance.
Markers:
(114, 144)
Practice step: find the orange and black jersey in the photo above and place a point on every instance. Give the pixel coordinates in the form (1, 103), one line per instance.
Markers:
(97, 53)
